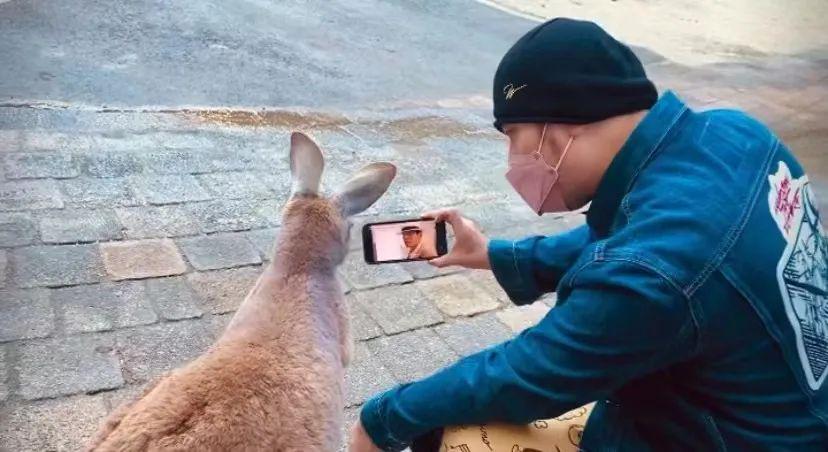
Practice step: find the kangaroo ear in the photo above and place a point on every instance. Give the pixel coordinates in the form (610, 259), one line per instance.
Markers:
(306, 165)
(365, 188)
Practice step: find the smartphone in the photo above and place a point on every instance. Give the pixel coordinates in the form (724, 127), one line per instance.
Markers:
(404, 240)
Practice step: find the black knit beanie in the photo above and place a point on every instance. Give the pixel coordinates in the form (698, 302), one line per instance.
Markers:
(569, 71)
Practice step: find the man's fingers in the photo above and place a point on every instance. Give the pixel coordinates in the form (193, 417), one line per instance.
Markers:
(433, 214)
(452, 216)
(442, 261)
(438, 215)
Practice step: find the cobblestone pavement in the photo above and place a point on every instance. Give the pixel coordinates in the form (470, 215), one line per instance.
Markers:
(130, 237)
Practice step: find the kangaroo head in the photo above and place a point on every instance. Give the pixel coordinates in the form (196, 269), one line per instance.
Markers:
(315, 228)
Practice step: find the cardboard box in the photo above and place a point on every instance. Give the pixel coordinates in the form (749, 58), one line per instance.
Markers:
(561, 434)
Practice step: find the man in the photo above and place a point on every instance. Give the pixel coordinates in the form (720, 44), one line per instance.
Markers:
(692, 306)
(415, 247)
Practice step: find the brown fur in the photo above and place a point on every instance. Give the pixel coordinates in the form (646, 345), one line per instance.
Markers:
(273, 381)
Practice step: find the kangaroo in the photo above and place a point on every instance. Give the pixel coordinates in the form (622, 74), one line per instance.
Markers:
(274, 379)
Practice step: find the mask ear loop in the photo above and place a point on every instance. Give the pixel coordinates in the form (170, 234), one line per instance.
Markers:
(543, 135)
(537, 153)
(566, 149)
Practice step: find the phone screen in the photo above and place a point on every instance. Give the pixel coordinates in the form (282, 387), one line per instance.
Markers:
(409, 240)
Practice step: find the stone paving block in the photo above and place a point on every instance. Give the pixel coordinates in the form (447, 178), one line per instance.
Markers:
(423, 162)
(149, 351)
(455, 295)
(173, 298)
(219, 251)
(110, 164)
(61, 425)
(131, 139)
(405, 201)
(10, 140)
(471, 335)
(277, 182)
(365, 376)
(230, 159)
(136, 139)
(270, 155)
(157, 221)
(30, 195)
(489, 185)
(186, 161)
(223, 290)
(360, 275)
(101, 307)
(363, 327)
(142, 259)
(41, 140)
(16, 229)
(399, 308)
(349, 417)
(422, 196)
(699, 97)
(169, 189)
(229, 215)
(25, 314)
(4, 264)
(518, 318)
(264, 240)
(41, 164)
(774, 116)
(413, 355)
(525, 230)
(190, 139)
(57, 265)
(806, 96)
(553, 224)
(424, 270)
(173, 162)
(487, 280)
(99, 192)
(68, 365)
(235, 185)
(219, 322)
(73, 226)
(4, 375)
(126, 394)
(270, 210)
(493, 215)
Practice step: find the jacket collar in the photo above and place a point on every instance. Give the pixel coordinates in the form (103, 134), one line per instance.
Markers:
(642, 145)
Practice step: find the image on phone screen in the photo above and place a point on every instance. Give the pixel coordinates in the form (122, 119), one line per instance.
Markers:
(408, 240)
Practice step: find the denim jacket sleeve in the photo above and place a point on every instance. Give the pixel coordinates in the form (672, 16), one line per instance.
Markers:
(620, 321)
(528, 268)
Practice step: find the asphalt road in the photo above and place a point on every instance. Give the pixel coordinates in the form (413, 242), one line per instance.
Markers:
(341, 53)
(332, 53)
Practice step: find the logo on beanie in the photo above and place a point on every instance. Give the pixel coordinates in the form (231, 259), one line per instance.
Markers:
(510, 90)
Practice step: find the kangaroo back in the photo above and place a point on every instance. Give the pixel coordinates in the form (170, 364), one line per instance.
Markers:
(274, 379)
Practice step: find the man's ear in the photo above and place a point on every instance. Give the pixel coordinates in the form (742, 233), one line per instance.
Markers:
(365, 188)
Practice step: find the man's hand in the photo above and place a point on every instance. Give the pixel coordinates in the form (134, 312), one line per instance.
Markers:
(471, 247)
(360, 441)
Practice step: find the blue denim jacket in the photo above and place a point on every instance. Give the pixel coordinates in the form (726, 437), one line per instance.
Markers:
(693, 305)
